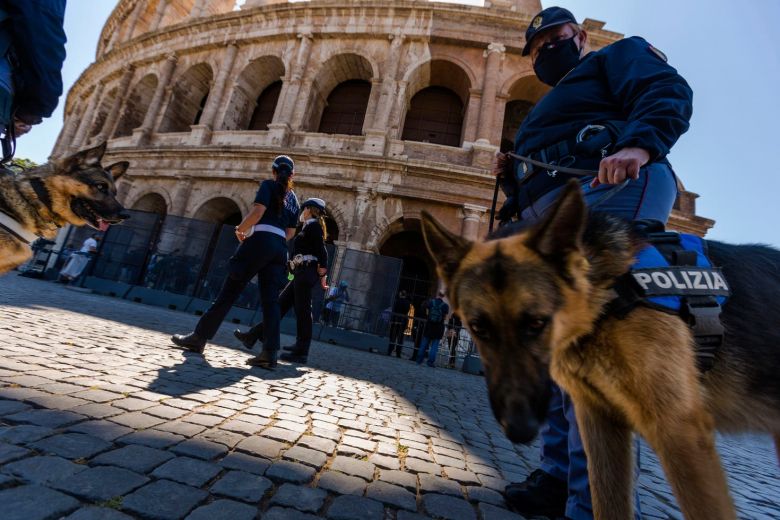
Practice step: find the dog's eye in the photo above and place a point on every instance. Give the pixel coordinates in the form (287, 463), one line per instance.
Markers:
(535, 325)
(480, 327)
(102, 186)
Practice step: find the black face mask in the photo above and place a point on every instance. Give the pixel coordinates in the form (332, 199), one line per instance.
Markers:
(555, 60)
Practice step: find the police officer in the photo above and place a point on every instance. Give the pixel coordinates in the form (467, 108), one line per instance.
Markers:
(263, 235)
(32, 51)
(309, 266)
(619, 111)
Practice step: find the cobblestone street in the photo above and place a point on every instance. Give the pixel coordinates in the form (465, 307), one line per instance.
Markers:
(101, 418)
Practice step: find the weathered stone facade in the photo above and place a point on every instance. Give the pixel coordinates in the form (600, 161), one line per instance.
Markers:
(199, 97)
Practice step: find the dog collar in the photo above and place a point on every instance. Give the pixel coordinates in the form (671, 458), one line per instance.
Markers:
(16, 229)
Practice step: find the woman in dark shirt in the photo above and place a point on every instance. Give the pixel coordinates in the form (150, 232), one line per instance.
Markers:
(263, 252)
(309, 266)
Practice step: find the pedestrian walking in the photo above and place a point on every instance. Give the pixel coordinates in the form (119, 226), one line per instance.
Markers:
(337, 297)
(309, 266)
(262, 251)
(399, 318)
(436, 310)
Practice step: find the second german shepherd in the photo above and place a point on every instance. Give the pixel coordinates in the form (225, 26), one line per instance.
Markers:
(75, 190)
(535, 304)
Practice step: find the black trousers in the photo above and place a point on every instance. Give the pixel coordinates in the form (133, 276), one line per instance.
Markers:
(263, 254)
(397, 328)
(296, 294)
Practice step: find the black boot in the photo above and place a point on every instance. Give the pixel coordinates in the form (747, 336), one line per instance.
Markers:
(290, 348)
(540, 495)
(191, 342)
(295, 355)
(265, 359)
(246, 338)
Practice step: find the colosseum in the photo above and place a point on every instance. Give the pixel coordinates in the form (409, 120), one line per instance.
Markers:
(389, 108)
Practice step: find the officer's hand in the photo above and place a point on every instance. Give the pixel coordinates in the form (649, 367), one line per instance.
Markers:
(499, 164)
(623, 164)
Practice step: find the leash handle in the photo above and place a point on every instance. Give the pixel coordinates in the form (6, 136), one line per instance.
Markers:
(493, 205)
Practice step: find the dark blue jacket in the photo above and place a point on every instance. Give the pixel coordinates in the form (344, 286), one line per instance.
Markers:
(38, 42)
(626, 81)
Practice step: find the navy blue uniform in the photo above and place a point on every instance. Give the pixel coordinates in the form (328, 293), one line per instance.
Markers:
(648, 104)
(37, 38)
(627, 83)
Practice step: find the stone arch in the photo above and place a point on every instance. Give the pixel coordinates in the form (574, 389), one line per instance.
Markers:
(338, 69)
(522, 92)
(103, 109)
(252, 92)
(188, 98)
(135, 198)
(403, 239)
(152, 202)
(222, 210)
(435, 104)
(136, 106)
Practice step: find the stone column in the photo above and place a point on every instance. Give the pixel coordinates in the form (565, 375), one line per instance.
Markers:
(201, 133)
(181, 197)
(197, 9)
(132, 21)
(159, 15)
(123, 189)
(493, 56)
(121, 93)
(141, 135)
(89, 115)
(471, 117)
(66, 136)
(389, 83)
(285, 111)
(372, 106)
(472, 215)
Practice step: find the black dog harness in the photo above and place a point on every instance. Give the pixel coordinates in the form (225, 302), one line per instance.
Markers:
(688, 286)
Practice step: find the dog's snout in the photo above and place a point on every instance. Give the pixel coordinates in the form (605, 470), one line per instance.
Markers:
(521, 429)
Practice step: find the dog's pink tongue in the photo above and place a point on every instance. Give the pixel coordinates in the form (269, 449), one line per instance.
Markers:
(103, 225)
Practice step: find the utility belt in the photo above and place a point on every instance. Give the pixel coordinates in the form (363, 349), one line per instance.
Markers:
(583, 151)
(299, 261)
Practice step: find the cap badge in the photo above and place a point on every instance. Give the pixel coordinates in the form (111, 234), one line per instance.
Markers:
(537, 22)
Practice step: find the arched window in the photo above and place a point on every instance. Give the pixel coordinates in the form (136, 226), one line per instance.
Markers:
(435, 116)
(266, 106)
(345, 110)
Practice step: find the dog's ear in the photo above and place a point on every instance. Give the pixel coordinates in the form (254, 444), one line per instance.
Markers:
(561, 232)
(446, 248)
(85, 158)
(118, 169)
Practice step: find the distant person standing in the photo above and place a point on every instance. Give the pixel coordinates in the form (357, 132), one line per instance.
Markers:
(263, 235)
(436, 310)
(398, 321)
(337, 297)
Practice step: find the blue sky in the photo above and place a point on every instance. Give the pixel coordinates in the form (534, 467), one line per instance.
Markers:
(728, 51)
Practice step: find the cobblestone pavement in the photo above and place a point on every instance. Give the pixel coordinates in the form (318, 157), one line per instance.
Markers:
(100, 418)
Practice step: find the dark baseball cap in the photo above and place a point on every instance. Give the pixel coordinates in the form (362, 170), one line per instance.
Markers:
(283, 164)
(547, 18)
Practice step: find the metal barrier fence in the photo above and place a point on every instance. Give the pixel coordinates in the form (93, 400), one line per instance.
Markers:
(454, 345)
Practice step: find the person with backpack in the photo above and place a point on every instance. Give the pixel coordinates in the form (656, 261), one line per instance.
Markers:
(437, 310)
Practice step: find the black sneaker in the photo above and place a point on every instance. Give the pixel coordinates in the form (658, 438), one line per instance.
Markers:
(540, 495)
(191, 342)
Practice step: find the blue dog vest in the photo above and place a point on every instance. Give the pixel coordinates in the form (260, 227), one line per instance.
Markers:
(673, 274)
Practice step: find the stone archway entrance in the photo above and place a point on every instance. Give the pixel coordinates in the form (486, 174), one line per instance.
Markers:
(418, 276)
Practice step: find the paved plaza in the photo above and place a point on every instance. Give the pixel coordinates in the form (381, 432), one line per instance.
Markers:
(100, 418)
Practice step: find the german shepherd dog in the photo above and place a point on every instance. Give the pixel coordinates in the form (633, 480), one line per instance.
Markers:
(535, 300)
(75, 190)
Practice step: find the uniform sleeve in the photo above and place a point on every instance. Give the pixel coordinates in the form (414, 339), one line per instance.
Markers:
(39, 44)
(657, 101)
(264, 194)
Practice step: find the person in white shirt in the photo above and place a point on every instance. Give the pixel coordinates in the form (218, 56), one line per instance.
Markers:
(78, 260)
